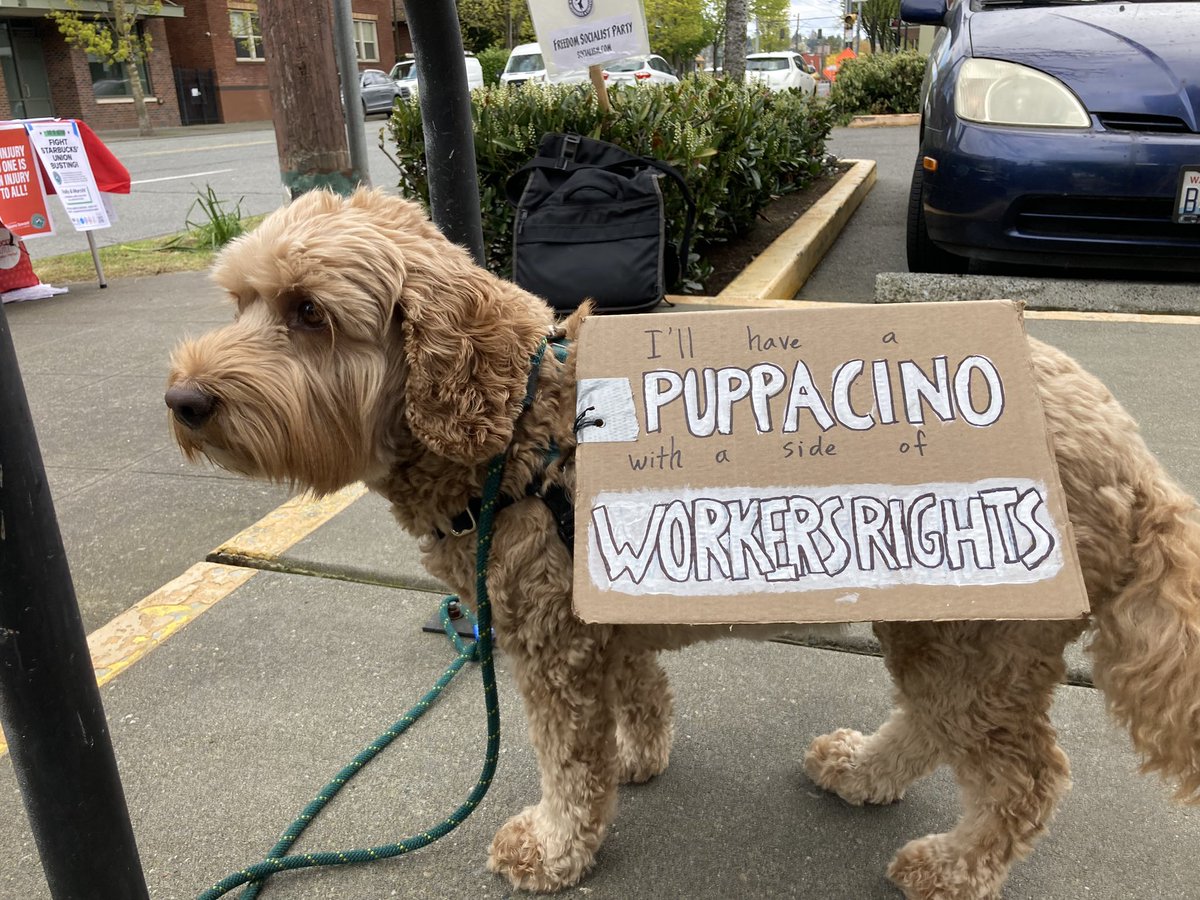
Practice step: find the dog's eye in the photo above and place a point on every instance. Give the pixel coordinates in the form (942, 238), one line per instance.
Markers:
(309, 315)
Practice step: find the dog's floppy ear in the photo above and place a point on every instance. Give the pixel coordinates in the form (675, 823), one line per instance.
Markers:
(468, 339)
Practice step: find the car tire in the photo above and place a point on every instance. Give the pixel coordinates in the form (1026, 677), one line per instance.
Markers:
(923, 254)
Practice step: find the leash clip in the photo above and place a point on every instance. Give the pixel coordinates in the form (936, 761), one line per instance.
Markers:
(459, 532)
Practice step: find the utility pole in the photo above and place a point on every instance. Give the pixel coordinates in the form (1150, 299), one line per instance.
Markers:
(61, 750)
(310, 124)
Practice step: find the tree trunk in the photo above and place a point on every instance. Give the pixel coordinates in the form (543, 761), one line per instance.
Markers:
(735, 39)
(310, 124)
(125, 25)
(139, 97)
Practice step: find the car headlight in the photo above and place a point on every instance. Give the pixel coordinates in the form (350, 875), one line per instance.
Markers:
(1004, 93)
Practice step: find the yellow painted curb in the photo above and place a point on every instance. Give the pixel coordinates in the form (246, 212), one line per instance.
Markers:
(120, 643)
(753, 302)
(1140, 318)
(116, 646)
(781, 270)
(134, 633)
(892, 121)
(282, 527)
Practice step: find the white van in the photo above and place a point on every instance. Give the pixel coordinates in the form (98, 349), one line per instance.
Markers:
(404, 73)
(525, 63)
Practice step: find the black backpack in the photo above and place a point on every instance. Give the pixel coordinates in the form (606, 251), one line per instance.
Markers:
(590, 222)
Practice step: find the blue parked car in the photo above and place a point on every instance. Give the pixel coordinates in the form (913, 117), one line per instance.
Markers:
(1058, 132)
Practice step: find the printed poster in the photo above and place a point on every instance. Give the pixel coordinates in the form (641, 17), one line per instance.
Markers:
(22, 198)
(61, 150)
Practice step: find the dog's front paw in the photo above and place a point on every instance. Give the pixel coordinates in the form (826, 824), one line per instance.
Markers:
(834, 761)
(535, 855)
(929, 868)
(640, 757)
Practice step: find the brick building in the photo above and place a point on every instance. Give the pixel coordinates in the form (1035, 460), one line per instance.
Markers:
(45, 77)
(217, 51)
(206, 63)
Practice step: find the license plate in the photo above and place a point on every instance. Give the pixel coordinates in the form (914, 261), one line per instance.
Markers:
(1187, 205)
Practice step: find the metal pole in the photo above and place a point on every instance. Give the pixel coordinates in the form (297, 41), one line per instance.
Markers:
(96, 259)
(49, 702)
(446, 118)
(347, 62)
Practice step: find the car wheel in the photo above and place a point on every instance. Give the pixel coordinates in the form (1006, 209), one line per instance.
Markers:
(923, 254)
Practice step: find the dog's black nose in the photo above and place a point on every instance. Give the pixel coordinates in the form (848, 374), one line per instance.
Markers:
(192, 407)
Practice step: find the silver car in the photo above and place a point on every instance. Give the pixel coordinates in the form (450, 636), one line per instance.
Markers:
(377, 90)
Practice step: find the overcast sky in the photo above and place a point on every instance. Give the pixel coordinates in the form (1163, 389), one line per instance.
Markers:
(814, 14)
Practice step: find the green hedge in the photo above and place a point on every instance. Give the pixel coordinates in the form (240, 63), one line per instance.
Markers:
(738, 146)
(879, 84)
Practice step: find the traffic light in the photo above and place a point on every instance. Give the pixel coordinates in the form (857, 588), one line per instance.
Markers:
(849, 19)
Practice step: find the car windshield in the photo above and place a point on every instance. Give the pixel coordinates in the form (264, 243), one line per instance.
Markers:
(530, 62)
(766, 65)
(627, 65)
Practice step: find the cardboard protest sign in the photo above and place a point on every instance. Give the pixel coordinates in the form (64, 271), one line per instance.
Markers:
(576, 34)
(817, 465)
(22, 198)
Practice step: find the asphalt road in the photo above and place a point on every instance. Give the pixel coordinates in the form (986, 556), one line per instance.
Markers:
(168, 174)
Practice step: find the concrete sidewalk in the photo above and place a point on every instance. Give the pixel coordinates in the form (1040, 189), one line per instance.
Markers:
(231, 725)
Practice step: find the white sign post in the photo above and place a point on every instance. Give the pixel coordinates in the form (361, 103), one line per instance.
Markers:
(578, 34)
(60, 148)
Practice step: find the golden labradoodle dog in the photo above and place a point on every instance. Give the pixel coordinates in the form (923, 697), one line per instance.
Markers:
(366, 347)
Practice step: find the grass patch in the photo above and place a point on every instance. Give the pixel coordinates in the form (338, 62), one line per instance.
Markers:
(184, 252)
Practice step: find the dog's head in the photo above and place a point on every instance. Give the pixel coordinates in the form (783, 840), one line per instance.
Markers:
(356, 322)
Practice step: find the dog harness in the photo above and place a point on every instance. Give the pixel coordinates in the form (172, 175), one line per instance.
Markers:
(554, 496)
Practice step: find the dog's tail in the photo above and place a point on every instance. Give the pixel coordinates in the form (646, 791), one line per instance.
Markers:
(1146, 646)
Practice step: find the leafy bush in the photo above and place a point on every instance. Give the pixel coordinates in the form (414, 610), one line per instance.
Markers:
(492, 60)
(879, 84)
(737, 145)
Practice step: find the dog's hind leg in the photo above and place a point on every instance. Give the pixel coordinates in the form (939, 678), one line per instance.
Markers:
(981, 692)
(566, 685)
(874, 769)
(644, 707)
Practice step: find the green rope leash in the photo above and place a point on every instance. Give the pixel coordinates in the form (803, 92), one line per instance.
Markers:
(481, 650)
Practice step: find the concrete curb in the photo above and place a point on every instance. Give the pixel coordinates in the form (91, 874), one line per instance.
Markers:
(781, 270)
(893, 121)
(1042, 293)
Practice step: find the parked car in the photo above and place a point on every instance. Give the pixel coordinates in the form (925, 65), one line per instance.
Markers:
(526, 64)
(377, 90)
(781, 70)
(404, 73)
(1058, 134)
(640, 70)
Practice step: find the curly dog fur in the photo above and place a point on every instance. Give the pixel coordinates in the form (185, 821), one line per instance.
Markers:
(367, 347)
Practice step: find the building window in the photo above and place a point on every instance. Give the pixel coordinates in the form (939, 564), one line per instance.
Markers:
(366, 42)
(109, 79)
(247, 34)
